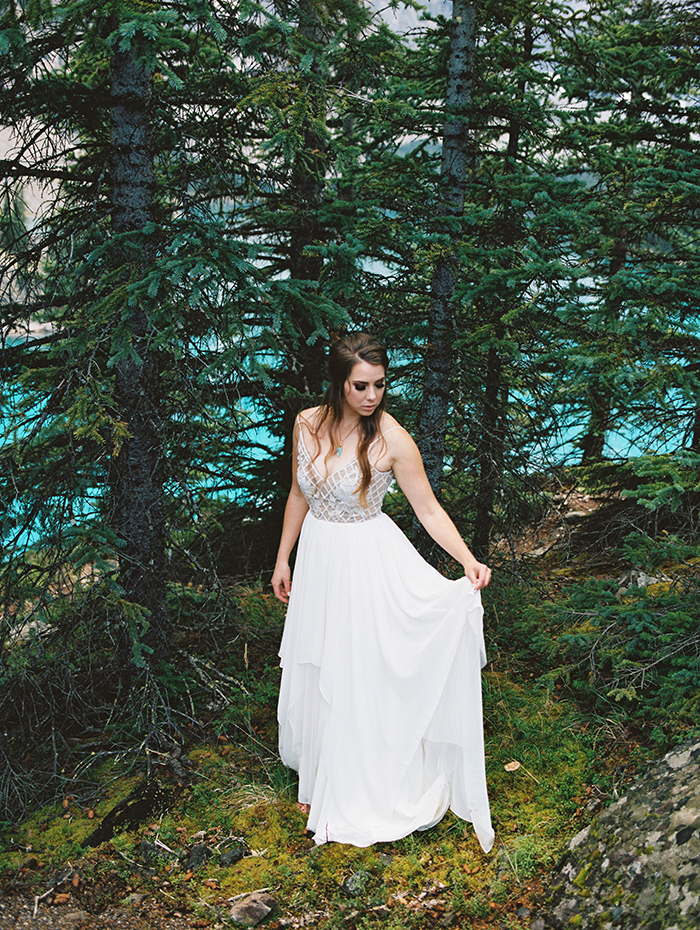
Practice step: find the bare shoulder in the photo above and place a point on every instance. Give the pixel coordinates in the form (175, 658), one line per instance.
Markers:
(388, 424)
(310, 417)
(396, 436)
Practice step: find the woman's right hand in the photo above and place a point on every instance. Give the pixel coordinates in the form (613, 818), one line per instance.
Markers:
(478, 573)
(282, 582)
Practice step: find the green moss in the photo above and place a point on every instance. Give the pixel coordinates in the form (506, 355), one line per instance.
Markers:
(533, 826)
(619, 895)
(240, 789)
(582, 877)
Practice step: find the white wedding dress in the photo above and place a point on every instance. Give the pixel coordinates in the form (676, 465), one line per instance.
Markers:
(380, 701)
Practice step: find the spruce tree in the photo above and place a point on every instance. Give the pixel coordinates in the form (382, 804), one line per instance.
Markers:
(454, 168)
(512, 267)
(126, 412)
(631, 78)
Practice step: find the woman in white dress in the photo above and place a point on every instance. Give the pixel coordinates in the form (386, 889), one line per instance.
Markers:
(380, 701)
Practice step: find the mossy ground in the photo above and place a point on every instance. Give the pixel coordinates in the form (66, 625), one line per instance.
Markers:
(240, 792)
(436, 878)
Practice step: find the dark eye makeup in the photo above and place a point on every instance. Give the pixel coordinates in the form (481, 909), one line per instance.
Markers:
(361, 385)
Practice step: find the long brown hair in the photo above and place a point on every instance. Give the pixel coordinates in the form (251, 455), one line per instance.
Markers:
(344, 354)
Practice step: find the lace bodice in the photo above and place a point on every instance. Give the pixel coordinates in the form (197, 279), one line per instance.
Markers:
(335, 499)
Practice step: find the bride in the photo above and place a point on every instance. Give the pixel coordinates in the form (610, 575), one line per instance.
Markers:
(380, 700)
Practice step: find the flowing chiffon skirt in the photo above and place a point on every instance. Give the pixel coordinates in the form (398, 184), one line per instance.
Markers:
(380, 701)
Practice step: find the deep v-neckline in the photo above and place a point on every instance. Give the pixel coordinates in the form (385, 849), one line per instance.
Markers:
(351, 461)
(333, 473)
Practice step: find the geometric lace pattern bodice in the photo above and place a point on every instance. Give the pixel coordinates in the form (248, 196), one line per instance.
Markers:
(335, 499)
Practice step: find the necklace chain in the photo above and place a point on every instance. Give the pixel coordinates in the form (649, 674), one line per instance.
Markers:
(339, 447)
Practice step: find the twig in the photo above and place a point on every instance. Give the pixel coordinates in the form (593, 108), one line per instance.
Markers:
(530, 774)
(158, 842)
(60, 879)
(244, 894)
(130, 861)
(39, 898)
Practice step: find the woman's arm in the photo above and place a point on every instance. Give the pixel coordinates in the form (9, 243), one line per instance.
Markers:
(294, 514)
(407, 466)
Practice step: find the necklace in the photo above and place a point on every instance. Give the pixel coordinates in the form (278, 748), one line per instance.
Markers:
(339, 448)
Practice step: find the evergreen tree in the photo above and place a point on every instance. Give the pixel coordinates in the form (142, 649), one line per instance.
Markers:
(137, 472)
(513, 265)
(308, 211)
(631, 342)
(159, 139)
(116, 267)
(122, 419)
(455, 164)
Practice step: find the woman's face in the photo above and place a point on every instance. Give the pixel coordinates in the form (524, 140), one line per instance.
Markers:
(364, 388)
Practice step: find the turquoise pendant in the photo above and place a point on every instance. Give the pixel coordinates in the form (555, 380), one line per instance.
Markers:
(339, 451)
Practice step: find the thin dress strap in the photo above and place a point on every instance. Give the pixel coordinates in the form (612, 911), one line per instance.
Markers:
(386, 433)
(382, 436)
(301, 421)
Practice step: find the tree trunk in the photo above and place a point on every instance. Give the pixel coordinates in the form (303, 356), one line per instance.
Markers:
(492, 433)
(593, 443)
(453, 176)
(490, 454)
(137, 474)
(695, 433)
(305, 367)
(308, 184)
(599, 393)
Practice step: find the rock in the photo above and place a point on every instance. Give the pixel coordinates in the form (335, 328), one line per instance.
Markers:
(636, 578)
(637, 866)
(250, 910)
(536, 553)
(75, 918)
(150, 854)
(196, 857)
(134, 900)
(232, 856)
(356, 884)
(114, 917)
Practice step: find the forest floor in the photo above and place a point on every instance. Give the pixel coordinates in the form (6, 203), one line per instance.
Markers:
(549, 768)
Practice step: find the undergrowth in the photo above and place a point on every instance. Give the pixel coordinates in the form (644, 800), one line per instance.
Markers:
(625, 650)
(585, 684)
(421, 880)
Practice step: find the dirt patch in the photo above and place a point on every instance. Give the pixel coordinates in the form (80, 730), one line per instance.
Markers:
(556, 530)
(21, 913)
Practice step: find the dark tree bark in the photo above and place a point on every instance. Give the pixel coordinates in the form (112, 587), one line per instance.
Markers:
(490, 452)
(599, 395)
(492, 433)
(456, 154)
(307, 367)
(593, 443)
(695, 433)
(137, 473)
